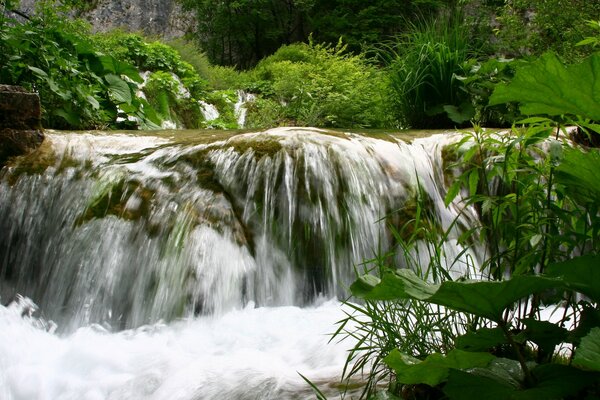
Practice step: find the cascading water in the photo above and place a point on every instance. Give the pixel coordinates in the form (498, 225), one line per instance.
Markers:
(193, 268)
(240, 108)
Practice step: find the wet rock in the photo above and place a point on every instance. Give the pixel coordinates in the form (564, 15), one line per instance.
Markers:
(20, 122)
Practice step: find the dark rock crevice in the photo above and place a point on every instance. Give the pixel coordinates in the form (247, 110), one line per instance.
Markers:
(20, 122)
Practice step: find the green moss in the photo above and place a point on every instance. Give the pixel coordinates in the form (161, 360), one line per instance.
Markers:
(262, 147)
(111, 198)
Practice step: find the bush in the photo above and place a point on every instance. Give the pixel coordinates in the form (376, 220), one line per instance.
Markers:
(320, 85)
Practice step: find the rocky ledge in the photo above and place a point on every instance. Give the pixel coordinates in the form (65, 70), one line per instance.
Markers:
(20, 122)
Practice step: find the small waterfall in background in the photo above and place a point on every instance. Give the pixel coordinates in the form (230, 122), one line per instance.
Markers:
(204, 267)
(209, 111)
(240, 109)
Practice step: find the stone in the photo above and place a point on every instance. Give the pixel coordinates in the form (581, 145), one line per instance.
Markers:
(163, 18)
(20, 122)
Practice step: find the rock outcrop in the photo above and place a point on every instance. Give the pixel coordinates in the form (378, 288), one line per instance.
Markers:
(20, 122)
(164, 18)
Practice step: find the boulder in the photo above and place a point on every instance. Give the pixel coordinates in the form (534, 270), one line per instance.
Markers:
(20, 122)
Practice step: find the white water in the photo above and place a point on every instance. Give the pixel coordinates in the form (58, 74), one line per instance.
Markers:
(176, 270)
(209, 111)
(254, 353)
(240, 109)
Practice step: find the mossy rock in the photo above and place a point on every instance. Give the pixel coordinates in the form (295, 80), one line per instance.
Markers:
(262, 147)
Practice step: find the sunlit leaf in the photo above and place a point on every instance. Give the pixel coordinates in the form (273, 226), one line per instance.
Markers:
(118, 89)
(578, 172)
(38, 71)
(546, 86)
(588, 352)
(483, 298)
(434, 369)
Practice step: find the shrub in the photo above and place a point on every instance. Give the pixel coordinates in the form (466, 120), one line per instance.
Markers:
(322, 86)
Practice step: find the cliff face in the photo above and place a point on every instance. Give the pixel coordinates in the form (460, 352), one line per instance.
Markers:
(163, 18)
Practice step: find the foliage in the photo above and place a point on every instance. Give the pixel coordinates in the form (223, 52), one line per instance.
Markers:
(242, 32)
(478, 82)
(594, 39)
(424, 87)
(537, 201)
(548, 87)
(79, 86)
(364, 24)
(319, 85)
(529, 27)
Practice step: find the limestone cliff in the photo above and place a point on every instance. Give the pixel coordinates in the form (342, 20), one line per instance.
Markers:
(163, 18)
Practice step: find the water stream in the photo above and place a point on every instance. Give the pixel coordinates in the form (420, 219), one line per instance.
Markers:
(195, 265)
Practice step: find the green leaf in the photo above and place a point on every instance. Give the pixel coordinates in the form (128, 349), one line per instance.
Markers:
(578, 172)
(93, 102)
(68, 115)
(546, 86)
(465, 386)
(434, 369)
(486, 299)
(545, 334)
(580, 274)
(38, 72)
(118, 89)
(587, 354)
(461, 114)
(483, 339)
(452, 192)
(555, 382)
(473, 181)
(402, 284)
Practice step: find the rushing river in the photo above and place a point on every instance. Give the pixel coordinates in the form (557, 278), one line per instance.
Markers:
(196, 265)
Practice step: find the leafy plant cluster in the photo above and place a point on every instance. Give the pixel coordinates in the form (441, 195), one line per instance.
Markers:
(535, 250)
(95, 81)
(533, 27)
(317, 85)
(80, 87)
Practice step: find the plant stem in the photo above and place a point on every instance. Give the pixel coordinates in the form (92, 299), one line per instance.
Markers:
(529, 381)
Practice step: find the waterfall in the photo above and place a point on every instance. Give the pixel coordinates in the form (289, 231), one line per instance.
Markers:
(240, 109)
(209, 111)
(124, 234)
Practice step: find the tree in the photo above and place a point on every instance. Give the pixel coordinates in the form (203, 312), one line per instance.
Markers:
(241, 32)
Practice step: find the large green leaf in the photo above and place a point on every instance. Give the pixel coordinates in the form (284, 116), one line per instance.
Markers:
(546, 86)
(465, 386)
(581, 274)
(482, 339)
(483, 298)
(545, 334)
(556, 382)
(434, 369)
(588, 352)
(402, 284)
(578, 173)
(118, 89)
